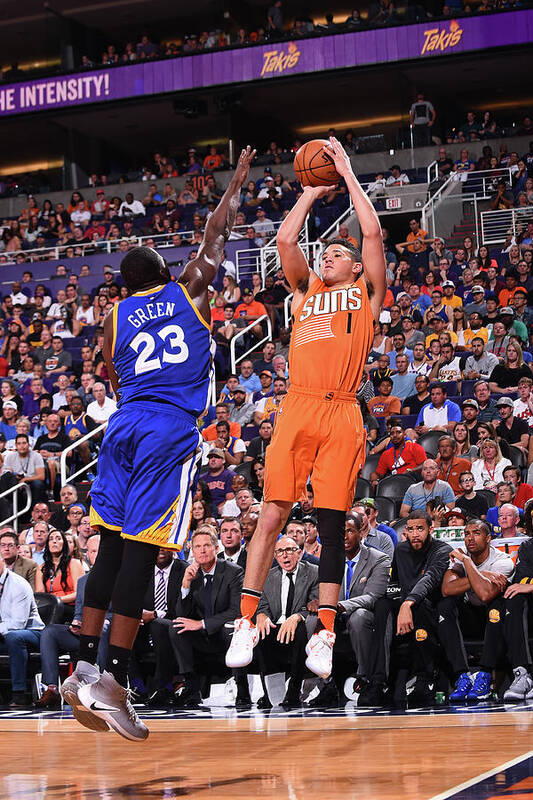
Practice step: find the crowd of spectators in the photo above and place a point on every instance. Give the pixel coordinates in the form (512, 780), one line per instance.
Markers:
(447, 403)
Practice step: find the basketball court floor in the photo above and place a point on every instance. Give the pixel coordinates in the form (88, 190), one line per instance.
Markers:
(481, 753)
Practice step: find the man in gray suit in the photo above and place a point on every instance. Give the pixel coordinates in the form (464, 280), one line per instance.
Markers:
(281, 616)
(366, 576)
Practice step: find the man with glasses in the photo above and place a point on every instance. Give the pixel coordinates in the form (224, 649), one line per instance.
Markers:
(470, 501)
(25, 567)
(281, 616)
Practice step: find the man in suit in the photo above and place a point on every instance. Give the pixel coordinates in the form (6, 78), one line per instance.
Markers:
(366, 577)
(281, 615)
(161, 603)
(231, 541)
(57, 639)
(210, 598)
(25, 567)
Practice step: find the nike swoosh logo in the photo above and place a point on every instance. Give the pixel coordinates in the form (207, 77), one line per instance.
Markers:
(94, 707)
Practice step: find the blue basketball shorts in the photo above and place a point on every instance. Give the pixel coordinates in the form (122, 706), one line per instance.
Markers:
(148, 469)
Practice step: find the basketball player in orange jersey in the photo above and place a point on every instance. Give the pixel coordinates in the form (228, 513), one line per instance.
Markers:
(319, 430)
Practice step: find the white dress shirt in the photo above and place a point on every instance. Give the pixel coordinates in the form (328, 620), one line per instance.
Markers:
(285, 584)
(166, 573)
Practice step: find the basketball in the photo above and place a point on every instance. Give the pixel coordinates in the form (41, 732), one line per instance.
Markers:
(314, 166)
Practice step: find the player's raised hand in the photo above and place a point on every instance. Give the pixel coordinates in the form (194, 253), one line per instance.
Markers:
(243, 165)
(339, 156)
(316, 192)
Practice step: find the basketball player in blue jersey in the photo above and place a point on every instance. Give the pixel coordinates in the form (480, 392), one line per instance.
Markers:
(157, 353)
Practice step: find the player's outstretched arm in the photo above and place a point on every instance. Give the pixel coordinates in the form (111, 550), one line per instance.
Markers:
(201, 271)
(372, 252)
(293, 260)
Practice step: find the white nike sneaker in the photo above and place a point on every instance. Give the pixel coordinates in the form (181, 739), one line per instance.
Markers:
(521, 688)
(110, 701)
(84, 674)
(244, 639)
(319, 651)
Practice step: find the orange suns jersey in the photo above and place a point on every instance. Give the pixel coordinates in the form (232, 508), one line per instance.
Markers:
(331, 337)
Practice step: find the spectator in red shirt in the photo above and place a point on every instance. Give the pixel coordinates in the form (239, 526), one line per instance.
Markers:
(250, 310)
(523, 490)
(222, 415)
(212, 160)
(400, 456)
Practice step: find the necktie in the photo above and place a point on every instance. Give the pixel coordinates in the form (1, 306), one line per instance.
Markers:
(160, 600)
(349, 575)
(208, 596)
(290, 595)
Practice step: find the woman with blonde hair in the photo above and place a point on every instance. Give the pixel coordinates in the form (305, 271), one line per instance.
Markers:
(231, 292)
(504, 377)
(488, 468)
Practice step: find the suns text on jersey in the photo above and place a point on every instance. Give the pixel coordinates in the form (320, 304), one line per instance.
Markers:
(330, 302)
(150, 311)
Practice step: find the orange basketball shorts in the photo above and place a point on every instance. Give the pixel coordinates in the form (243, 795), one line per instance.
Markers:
(318, 436)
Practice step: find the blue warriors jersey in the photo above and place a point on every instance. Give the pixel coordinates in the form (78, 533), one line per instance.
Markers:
(161, 348)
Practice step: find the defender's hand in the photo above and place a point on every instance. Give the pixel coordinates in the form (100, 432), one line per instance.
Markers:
(243, 166)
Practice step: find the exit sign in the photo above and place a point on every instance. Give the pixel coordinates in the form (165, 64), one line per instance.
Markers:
(393, 203)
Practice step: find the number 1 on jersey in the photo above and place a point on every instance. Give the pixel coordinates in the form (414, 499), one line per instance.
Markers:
(144, 344)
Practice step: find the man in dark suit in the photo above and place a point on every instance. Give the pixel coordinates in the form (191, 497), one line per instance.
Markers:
(161, 603)
(210, 598)
(281, 615)
(231, 541)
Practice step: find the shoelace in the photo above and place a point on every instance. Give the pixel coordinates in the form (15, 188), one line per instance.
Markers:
(481, 682)
(463, 683)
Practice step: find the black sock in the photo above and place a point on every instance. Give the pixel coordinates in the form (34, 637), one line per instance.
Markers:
(118, 660)
(88, 648)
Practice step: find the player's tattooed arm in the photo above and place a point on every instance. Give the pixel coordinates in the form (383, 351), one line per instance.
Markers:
(201, 271)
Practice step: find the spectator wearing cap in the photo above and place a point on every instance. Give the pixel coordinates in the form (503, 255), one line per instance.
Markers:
(504, 378)
(372, 512)
(475, 302)
(100, 205)
(470, 419)
(262, 225)
(513, 326)
(480, 364)
(250, 310)
(511, 429)
(270, 186)
(241, 411)
(440, 414)
(401, 455)
(8, 419)
(399, 178)
(266, 408)
(438, 325)
(450, 298)
(218, 479)
(266, 390)
(454, 518)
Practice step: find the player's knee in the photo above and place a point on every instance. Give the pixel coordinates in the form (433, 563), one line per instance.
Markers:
(273, 519)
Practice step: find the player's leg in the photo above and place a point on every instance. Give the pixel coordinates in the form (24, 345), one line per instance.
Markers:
(98, 591)
(337, 464)
(289, 462)
(271, 521)
(108, 697)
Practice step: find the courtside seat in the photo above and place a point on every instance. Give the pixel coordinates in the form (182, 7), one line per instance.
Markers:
(429, 441)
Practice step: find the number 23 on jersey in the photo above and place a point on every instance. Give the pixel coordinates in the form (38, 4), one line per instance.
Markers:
(174, 351)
